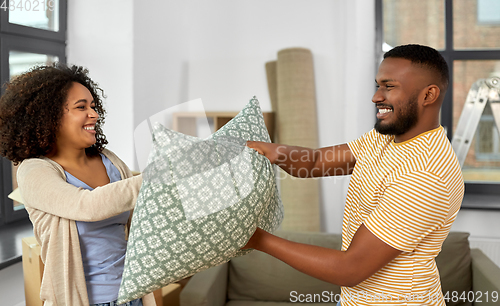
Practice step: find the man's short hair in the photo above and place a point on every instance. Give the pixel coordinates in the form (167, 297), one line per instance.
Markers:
(424, 56)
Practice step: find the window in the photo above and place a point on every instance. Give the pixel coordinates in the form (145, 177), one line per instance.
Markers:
(467, 33)
(31, 32)
(488, 12)
(487, 145)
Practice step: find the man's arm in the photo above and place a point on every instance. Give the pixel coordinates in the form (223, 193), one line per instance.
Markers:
(305, 162)
(366, 255)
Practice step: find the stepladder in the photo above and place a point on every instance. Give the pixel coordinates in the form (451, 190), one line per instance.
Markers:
(482, 92)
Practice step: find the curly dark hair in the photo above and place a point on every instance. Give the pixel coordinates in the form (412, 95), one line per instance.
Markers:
(424, 56)
(32, 107)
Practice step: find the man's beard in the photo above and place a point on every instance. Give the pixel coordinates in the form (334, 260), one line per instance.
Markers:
(406, 118)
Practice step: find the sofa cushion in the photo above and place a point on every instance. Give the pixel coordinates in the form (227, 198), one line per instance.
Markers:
(258, 276)
(199, 203)
(454, 265)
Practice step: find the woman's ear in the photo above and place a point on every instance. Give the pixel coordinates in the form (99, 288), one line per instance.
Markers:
(431, 95)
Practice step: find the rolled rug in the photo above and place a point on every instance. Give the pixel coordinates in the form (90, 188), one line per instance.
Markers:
(273, 93)
(297, 125)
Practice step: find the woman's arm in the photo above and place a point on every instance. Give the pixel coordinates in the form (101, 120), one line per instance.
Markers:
(43, 188)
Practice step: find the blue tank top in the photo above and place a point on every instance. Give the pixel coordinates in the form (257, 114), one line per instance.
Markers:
(103, 246)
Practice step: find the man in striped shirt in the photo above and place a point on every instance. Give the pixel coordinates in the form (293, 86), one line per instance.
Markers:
(404, 193)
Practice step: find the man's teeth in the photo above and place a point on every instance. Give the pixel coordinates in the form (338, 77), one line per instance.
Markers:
(384, 110)
(88, 128)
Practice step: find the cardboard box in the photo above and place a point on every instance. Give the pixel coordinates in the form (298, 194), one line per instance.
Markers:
(32, 271)
(168, 295)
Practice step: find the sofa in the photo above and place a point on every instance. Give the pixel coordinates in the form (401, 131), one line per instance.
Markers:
(258, 279)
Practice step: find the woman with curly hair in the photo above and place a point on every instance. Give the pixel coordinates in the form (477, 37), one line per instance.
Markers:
(78, 194)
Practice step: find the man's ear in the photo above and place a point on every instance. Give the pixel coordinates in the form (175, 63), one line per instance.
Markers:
(431, 95)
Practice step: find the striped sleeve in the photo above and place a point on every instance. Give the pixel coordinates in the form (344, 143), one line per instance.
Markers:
(357, 146)
(409, 210)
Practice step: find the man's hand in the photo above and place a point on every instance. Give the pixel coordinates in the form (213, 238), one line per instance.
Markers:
(269, 150)
(254, 240)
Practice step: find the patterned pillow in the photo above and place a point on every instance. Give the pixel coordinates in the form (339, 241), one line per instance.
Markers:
(199, 203)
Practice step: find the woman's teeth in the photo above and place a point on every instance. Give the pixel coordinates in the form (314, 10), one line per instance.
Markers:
(88, 128)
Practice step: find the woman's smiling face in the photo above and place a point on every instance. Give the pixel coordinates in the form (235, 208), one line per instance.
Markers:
(77, 124)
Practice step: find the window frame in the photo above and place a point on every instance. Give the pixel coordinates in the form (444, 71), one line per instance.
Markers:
(450, 55)
(17, 29)
(14, 37)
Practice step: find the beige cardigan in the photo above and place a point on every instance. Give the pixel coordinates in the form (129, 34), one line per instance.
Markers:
(53, 206)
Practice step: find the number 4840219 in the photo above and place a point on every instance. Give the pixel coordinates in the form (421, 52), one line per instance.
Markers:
(27, 5)
(471, 296)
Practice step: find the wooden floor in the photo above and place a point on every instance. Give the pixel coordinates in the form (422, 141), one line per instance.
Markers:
(12, 285)
(10, 241)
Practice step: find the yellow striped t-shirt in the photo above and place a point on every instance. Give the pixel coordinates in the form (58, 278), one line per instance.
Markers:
(407, 194)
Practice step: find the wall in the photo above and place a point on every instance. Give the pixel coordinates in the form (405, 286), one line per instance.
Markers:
(100, 38)
(161, 32)
(484, 230)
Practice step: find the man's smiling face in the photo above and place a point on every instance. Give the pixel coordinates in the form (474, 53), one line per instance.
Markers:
(397, 96)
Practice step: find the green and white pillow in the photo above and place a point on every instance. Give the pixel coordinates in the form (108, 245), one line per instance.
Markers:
(199, 203)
